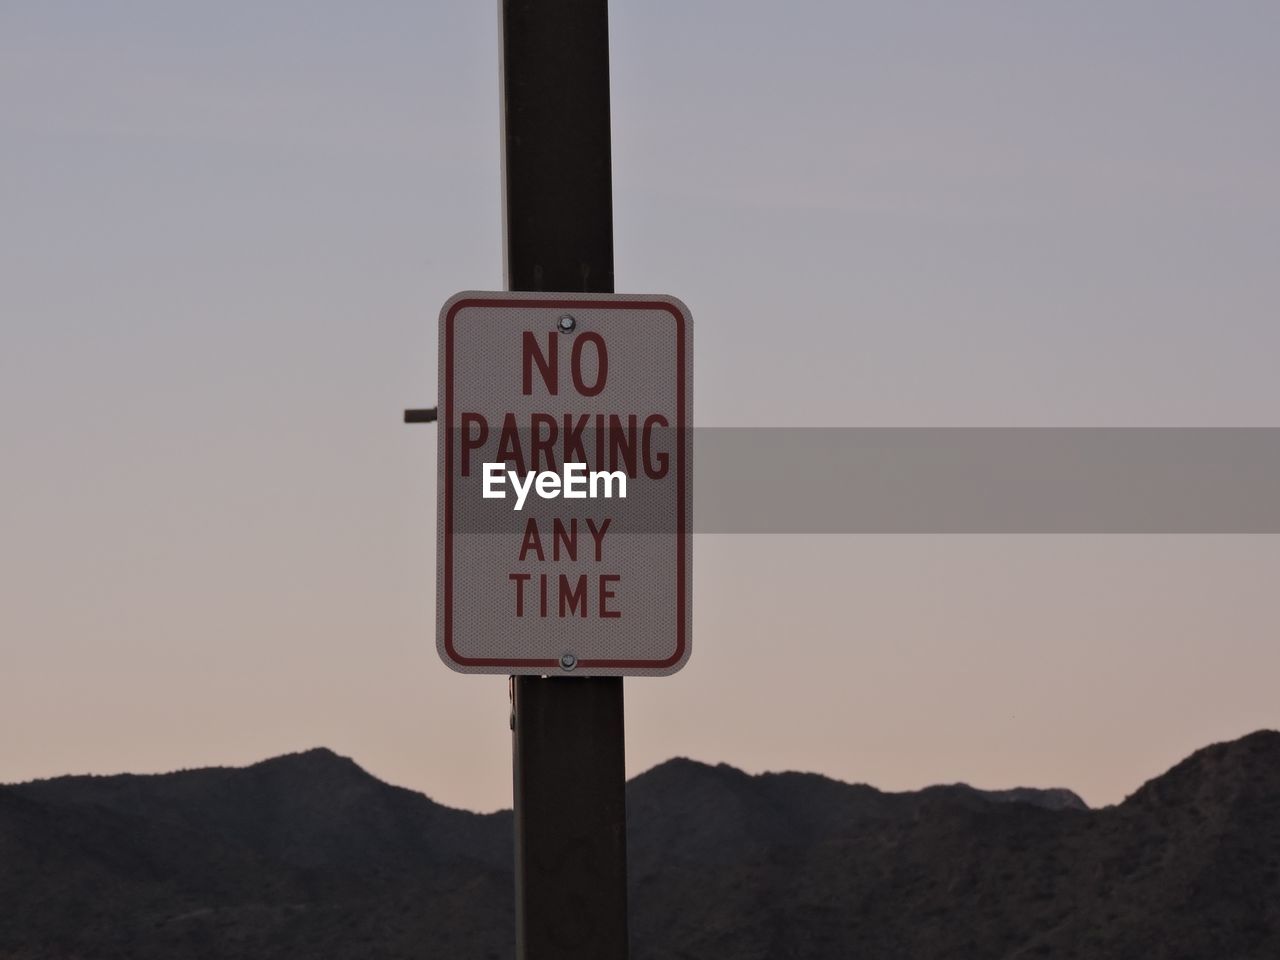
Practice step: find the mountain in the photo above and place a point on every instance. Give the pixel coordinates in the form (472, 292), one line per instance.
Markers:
(307, 855)
(303, 855)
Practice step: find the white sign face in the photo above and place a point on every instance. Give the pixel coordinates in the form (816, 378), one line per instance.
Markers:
(564, 539)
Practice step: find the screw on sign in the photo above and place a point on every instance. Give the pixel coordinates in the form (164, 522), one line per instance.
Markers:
(565, 484)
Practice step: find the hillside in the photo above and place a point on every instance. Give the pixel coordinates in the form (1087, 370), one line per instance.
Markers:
(308, 855)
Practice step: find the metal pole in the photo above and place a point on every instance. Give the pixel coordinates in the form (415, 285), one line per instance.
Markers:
(570, 809)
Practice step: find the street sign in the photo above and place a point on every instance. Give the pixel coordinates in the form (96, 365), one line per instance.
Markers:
(564, 496)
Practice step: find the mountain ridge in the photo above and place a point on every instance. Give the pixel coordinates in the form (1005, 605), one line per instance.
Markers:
(326, 759)
(309, 854)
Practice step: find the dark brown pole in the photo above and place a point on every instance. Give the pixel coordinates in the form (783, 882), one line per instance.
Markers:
(570, 810)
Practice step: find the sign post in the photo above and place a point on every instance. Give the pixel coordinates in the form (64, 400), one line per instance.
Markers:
(560, 372)
(570, 807)
(567, 732)
(568, 393)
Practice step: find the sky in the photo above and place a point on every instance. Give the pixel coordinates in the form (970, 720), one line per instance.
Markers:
(228, 229)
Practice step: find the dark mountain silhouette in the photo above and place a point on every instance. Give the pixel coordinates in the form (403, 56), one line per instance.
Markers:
(308, 856)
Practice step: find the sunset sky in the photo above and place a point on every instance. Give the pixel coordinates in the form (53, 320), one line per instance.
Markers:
(227, 229)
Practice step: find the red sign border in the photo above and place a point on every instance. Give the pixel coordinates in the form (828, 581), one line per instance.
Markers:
(553, 665)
